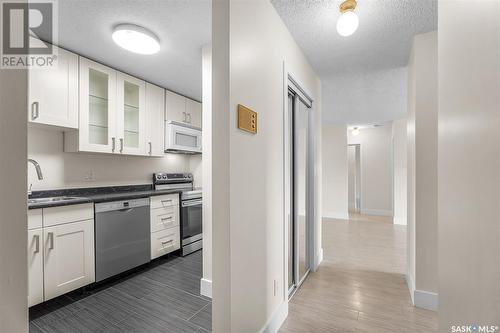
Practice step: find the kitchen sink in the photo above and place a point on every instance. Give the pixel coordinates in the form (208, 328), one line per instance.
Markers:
(51, 199)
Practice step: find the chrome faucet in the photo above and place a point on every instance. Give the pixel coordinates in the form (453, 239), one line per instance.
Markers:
(37, 168)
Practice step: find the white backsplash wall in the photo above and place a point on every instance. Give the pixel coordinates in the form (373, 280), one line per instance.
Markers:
(70, 170)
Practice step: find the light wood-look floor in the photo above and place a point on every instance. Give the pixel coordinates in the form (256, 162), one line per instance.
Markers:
(360, 286)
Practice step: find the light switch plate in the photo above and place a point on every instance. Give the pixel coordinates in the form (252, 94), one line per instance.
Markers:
(247, 119)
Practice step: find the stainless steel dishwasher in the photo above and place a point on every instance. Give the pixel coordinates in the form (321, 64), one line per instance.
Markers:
(122, 236)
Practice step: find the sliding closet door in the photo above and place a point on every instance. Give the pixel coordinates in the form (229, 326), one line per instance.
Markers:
(301, 227)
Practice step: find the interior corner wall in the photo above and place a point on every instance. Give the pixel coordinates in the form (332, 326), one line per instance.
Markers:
(399, 153)
(256, 54)
(13, 201)
(376, 169)
(469, 163)
(422, 144)
(334, 165)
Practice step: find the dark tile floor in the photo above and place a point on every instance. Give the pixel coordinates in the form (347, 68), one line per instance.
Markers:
(163, 296)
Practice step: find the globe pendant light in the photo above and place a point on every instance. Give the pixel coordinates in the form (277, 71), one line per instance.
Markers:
(348, 21)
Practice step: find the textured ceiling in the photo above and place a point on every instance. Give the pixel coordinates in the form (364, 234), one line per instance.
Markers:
(383, 39)
(183, 27)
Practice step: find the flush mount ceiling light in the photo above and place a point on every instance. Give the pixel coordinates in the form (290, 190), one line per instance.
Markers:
(348, 21)
(355, 131)
(136, 39)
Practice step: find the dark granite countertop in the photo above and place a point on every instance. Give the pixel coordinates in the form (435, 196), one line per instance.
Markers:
(96, 195)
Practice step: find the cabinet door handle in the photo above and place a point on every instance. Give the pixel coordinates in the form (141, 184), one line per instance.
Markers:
(51, 240)
(189, 118)
(185, 117)
(37, 243)
(113, 144)
(35, 111)
(150, 148)
(121, 145)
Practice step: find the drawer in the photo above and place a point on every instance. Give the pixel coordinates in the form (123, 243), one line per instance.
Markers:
(164, 218)
(65, 214)
(34, 218)
(164, 200)
(165, 241)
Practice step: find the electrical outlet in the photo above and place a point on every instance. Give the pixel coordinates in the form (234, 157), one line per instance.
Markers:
(89, 176)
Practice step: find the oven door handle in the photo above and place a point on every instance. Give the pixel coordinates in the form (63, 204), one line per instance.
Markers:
(191, 203)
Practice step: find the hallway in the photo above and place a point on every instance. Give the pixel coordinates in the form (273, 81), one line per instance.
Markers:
(360, 285)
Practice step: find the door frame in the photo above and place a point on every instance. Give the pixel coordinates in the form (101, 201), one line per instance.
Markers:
(359, 183)
(290, 82)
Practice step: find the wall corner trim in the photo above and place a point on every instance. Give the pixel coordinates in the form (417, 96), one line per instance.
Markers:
(206, 287)
(277, 319)
(411, 286)
(319, 258)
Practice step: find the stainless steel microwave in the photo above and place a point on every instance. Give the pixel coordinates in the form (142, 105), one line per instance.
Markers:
(182, 138)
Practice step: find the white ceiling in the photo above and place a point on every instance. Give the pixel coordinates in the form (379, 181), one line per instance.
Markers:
(183, 27)
(383, 39)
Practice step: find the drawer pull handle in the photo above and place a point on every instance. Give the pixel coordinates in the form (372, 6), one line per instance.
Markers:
(168, 218)
(167, 242)
(167, 202)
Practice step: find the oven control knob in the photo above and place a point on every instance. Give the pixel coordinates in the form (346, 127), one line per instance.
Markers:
(164, 176)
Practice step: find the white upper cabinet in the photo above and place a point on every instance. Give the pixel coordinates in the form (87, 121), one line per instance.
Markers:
(182, 110)
(131, 115)
(175, 109)
(155, 121)
(193, 112)
(97, 131)
(53, 93)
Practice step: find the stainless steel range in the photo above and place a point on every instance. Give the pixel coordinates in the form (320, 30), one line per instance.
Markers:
(191, 207)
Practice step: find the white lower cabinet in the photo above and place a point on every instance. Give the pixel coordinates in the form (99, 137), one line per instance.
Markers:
(35, 267)
(60, 251)
(68, 257)
(165, 229)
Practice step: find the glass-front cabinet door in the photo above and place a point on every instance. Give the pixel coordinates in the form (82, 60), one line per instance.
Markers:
(131, 115)
(97, 107)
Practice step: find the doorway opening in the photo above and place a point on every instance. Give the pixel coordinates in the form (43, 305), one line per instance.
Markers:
(300, 222)
(354, 177)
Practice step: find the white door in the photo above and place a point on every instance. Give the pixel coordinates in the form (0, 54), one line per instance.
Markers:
(131, 114)
(193, 112)
(97, 107)
(155, 121)
(175, 109)
(35, 267)
(53, 93)
(68, 257)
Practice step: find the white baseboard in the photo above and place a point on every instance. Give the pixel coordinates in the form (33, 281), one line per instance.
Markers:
(206, 287)
(400, 220)
(277, 319)
(336, 215)
(411, 286)
(421, 298)
(426, 300)
(319, 258)
(377, 212)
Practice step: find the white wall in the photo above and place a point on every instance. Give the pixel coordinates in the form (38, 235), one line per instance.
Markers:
(68, 170)
(422, 170)
(469, 163)
(376, 169)
(334, 146)
(365, 97)
(248, 69)
(400, 157)
(13, 219)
